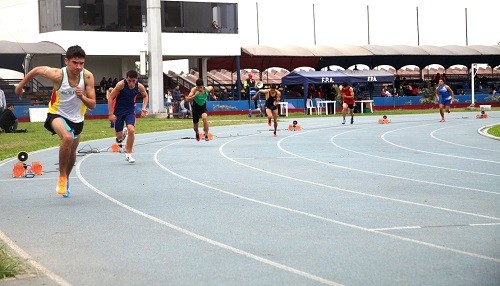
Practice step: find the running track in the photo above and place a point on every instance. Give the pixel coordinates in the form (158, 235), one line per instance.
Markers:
(413, 202)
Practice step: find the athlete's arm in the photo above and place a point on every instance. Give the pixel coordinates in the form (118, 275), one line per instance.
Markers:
(55, 75)
(145, 99)
(88, 98)
(191, 94)
(114, 93)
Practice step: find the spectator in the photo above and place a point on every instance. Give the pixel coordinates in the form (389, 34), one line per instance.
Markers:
(185, 108)
(176, 93)
(109, 83)
(102, 84)
(8, 121)
(444, 77)
(215, 26)
(223, 95)
(3, 102)
(493, 90)
(384, 92)
(115, 81)
(437, 78)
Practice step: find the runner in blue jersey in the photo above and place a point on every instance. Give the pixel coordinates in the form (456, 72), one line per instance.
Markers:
(199, 96)
(121, 107)
(445, 96)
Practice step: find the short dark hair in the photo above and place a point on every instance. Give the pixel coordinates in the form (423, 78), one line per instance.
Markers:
(75, 52)
(345, 84)
(9, 105)
(132, 74)
(199, 82)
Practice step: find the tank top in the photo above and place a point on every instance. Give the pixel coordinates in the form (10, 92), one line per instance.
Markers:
(347, 92)
(444, 93)
(64, 101)
(125, 100)
(270, 100)
(201, 98)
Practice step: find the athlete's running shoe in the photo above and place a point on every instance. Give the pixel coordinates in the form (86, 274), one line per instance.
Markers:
(343, 121)
(198, 137)
(61, 188)
(68, 191)
(442, 120)
(352, 120)
(128, 158)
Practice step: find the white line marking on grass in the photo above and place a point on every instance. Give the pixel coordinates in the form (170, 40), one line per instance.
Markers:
(24, 255)
(197, 236)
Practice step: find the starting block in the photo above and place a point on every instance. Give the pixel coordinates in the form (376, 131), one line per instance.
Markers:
(384, 120)
(20, 169)
(117, 148)
(202, 136)
(294, 126)
(36, 168)
(483, 115)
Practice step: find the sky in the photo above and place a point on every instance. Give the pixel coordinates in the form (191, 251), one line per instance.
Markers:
(391, 22)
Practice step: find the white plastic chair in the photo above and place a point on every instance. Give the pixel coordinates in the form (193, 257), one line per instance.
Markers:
(310, 106)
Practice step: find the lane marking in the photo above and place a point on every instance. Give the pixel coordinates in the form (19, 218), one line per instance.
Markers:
(197, 236)
(457, 144)
(429, 152)
(336, 221)
(410, 162)
(24, 255)
(437, 226)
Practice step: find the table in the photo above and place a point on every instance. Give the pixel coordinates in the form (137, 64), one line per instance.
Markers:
(283, 105)
(321, 103)
(370, 101)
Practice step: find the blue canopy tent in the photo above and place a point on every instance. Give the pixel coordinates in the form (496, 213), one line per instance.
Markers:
(336, 77)
(313, 77)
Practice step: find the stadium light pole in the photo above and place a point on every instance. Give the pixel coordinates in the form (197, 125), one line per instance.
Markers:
(155, 57)
(418, 30)
(314, 24)
(368, 20)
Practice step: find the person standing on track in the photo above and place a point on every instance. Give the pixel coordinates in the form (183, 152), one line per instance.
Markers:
(121, 107)
(273, 97)
(445, 96)
(347, 93)
(199, 95)
(72, 93)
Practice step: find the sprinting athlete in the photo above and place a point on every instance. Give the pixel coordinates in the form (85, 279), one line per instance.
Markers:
(445, 96)
(121, 107)
(199, 95)
(348, 101)
(72, 93)
(273, 97)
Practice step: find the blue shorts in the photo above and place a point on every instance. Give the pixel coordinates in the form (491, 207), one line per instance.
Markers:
(127, 118)
(445, 102)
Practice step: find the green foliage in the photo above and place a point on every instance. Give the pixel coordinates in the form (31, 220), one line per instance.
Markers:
(428, 95)
(9, 266)
(493, 97)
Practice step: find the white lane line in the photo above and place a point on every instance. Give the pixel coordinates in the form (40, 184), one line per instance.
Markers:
(407, 162)
(380, 174)
(457, 144)
(194, 235)
(428, 152)
(336, 221)
(436, 226)
(24, 255)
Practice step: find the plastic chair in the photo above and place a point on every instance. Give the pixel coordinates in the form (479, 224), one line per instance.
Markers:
(310, 106)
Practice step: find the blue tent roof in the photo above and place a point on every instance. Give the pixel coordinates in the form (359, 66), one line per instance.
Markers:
(337, 77)
(314, 77)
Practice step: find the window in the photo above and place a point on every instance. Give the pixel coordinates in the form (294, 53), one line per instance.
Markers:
(129, 16)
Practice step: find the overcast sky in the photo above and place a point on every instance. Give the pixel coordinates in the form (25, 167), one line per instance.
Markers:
(392, 22)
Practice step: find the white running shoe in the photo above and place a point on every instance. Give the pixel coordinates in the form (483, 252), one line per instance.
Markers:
(128, 158)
